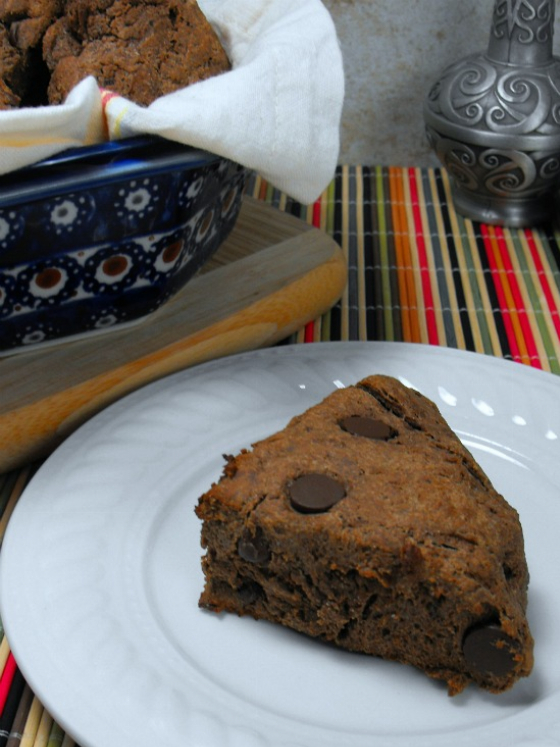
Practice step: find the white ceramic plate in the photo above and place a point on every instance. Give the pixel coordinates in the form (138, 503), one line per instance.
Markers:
(100, 572)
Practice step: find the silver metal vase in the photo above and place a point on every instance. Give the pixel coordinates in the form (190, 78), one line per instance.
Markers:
(493, 119)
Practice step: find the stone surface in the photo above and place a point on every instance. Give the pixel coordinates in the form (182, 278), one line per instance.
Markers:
(393, 50)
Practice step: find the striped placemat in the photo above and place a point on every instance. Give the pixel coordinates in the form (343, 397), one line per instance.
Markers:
(418, 272)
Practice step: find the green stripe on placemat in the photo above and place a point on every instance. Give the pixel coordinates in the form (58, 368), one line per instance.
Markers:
(419, 272)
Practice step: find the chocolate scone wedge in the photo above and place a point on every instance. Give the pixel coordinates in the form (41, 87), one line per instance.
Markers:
(367, 523)
(140, 49)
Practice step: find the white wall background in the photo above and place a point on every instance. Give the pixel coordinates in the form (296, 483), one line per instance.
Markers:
(393, 50)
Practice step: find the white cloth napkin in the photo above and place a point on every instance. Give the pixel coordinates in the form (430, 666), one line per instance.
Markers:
(276, 112)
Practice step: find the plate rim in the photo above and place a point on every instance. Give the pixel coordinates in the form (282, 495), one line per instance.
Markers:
(148, 391)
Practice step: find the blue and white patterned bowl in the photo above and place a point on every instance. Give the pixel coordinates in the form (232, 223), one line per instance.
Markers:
(100, 236)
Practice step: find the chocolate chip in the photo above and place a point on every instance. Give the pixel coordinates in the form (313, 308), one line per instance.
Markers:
(488, 650)
(253, 547)
(315, 493)
(249, 592)
(359, 425)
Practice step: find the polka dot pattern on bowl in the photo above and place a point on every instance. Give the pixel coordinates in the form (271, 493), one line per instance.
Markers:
(95, 258)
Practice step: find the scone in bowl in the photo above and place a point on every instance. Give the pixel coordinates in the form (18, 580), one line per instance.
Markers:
(98, 237)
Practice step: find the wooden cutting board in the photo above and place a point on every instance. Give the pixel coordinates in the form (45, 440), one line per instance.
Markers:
(272, 275)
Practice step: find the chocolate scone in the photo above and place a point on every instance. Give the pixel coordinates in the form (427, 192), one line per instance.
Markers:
(23, 24)
(12, 72)
(28, 20)
(141, 49)
(366, 523)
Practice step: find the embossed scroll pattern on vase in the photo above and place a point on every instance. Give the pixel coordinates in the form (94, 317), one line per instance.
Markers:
(535, 22)
(493, 119)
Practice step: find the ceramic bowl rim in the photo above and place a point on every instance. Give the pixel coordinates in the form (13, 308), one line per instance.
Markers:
(99, 165)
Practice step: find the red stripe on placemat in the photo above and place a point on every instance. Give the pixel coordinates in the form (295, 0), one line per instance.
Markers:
(317, 213)
(6, 679)
(425, 274)
(309, 331)
(489, 242)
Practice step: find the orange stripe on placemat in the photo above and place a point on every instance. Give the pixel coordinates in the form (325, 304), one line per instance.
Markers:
(425, 273)
(263, 190)
(407, 291)
(504, 293)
